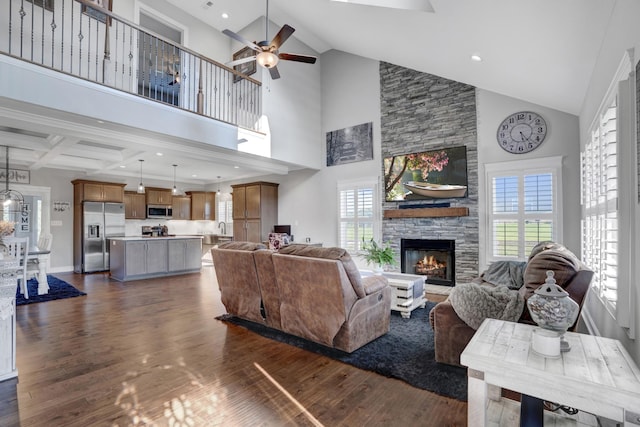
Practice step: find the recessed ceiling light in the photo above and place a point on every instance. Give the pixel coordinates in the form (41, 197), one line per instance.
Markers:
(225, 15)
(476, 58)
(159, 154)
(194, 176)
(122, 166)
(236, 167)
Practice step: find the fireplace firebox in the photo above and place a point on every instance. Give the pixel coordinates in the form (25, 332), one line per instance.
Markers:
(435, 259)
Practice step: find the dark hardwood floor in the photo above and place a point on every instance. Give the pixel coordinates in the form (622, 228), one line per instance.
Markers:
(152, 353)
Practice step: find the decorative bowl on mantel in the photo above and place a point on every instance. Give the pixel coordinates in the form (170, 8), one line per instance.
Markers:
(439, 191)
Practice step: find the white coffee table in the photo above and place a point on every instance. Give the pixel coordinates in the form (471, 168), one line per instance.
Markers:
(596, 376)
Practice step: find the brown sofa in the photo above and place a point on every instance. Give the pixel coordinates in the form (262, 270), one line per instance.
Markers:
(452, 334)
(314, 293)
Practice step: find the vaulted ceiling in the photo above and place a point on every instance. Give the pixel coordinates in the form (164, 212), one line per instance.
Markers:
(542, 51)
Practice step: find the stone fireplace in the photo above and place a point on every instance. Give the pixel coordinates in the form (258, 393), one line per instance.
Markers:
(435, 259)
(421, 112)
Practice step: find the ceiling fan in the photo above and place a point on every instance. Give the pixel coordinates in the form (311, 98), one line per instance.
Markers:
(267, 53)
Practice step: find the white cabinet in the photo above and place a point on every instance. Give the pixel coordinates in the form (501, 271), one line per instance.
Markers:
(184, 254)
(8, 286)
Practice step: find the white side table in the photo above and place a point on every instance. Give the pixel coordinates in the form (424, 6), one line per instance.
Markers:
(597, 376)
(8, 288)
(408, 292)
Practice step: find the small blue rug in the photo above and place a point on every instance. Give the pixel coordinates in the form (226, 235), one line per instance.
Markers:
(58, 289)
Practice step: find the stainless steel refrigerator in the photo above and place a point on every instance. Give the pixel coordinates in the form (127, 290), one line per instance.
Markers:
(100, 221)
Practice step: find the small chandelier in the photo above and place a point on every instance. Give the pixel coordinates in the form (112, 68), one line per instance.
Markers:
(11, 200)
(174, 191)
(141, 185)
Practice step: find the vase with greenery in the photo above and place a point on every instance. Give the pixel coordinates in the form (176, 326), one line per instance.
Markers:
(378, 255)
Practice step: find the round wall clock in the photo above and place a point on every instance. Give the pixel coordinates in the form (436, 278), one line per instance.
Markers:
(522, 132)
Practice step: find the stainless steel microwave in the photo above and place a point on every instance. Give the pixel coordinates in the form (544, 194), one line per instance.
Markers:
(159, 211)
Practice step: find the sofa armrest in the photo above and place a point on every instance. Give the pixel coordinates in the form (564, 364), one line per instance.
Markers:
(450, 334)
(373, 284)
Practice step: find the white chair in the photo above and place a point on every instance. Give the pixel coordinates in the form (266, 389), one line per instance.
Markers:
(18, 247)
(34, 264)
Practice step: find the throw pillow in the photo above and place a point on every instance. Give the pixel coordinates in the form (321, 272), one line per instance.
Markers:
(561, 261)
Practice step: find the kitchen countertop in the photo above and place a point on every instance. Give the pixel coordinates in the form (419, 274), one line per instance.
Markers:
(171, 236)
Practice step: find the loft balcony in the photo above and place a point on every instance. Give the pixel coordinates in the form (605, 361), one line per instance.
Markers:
(73, 37)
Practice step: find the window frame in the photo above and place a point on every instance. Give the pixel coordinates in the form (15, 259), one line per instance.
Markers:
(522, 168)
(622, 91)
(376, 221)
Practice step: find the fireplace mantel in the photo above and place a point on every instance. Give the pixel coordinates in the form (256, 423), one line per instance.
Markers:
(426, 212)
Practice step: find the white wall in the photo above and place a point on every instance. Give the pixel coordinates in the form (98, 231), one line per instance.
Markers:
(623, 33)
(291, 104)
(350, 96)
(562, 140)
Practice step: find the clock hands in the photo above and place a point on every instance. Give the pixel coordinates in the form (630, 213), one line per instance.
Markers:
(524, 138)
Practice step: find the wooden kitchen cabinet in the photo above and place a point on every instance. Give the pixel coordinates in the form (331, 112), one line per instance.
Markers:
(96, 191)
(203, 205)
(134, 205)
(181, 207)
(159, 196)
(255, 210)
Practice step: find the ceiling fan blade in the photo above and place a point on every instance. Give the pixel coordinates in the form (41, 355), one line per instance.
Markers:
(242, 40)
(299, 58)
(282, 36)
(240, 61)
(275, 74)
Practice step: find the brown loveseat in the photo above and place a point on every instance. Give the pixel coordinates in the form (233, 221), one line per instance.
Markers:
(314, 293)
(452, 334)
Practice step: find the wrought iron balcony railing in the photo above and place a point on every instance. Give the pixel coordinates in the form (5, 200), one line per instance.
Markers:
(78, 38)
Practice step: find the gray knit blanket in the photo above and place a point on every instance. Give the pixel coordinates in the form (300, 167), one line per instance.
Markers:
(473, 303)
(507, 273)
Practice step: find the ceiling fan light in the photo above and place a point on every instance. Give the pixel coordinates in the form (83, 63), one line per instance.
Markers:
(267, 59)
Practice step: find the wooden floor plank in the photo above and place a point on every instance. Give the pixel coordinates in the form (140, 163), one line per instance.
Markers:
(151, 351)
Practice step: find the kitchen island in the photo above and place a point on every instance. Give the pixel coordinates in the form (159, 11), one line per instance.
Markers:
(143, 257)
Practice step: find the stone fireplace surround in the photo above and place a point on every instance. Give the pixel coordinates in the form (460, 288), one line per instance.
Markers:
(420, 111)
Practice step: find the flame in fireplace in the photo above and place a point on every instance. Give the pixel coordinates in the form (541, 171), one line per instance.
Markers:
(430, 262)
(431, 266)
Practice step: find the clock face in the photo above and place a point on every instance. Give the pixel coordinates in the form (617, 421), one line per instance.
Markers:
(522, 132)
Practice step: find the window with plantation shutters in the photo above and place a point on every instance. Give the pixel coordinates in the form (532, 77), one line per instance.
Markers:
(600, 204)
(225, 212)
(609, 196)
(524, 206)
(358, 214)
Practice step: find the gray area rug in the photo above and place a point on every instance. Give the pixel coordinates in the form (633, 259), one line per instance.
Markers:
(405, 353)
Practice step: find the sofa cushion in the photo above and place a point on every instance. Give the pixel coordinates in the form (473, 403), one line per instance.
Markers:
(543, 246)
(241, 246)
(330, 253)
(558, 259)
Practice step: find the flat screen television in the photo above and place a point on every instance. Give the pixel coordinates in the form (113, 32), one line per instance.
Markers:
(426, 175)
